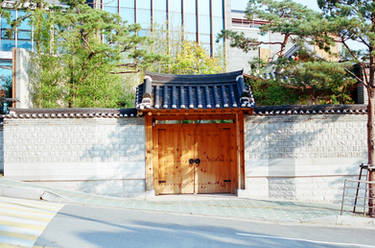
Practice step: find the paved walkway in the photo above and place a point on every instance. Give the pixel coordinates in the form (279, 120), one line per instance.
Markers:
(209, 205)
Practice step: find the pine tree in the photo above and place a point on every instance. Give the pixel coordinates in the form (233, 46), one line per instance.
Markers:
(341, 21)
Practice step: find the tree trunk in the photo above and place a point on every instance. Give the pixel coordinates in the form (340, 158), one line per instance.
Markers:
(370, 121)
(371, 145)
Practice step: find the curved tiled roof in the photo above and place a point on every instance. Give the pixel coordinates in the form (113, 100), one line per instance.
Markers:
(168, 91)
(310, 109)
(71, 113)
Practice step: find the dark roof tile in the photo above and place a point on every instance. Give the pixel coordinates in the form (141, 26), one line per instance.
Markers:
(71, 113)
(310, 109)
(224, 90)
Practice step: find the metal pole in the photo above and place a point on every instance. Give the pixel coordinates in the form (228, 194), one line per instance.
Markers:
(343, 196)
(358, 185)
(364, 198)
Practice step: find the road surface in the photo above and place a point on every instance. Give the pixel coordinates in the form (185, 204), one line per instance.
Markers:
(81, 226)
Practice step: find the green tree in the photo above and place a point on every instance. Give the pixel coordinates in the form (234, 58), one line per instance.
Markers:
(271, 92)
(311, 81)
(81, 54)
(354, 20)
(193, 59)
(310, 76)
(293, 21)
(181, 57)
(341, 21)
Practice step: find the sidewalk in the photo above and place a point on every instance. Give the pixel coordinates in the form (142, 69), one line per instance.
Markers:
(209, 205)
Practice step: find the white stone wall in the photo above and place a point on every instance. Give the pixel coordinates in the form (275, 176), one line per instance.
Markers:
(303, 157)
(98, 155)
(22, 81)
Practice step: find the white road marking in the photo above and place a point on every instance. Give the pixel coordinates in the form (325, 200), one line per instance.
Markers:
(20, 230)
(22, 221)
(15, 241)
(303, 240)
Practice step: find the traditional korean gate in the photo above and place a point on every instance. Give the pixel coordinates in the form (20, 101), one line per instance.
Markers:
(194, 158)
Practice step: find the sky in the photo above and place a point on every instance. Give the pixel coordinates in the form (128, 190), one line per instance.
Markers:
(241, 4)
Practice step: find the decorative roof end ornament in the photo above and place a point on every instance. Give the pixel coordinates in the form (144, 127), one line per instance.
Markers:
(147, 98)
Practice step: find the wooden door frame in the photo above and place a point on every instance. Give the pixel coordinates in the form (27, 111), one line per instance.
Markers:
(197, 114)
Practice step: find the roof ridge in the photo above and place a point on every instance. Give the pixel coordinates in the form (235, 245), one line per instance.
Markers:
(232, 73)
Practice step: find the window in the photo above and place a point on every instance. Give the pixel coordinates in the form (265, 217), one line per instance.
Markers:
(127, 10)
(160, 14)
(217, 25)
(25, 24)
(21, 37)
(24, 35)
(4, 21)
(5, 77)
(206, 46)
(204, 16)
(110, 6)
(204, 24)
(160, 5)
(127, 15)
(217, 8)
(175, 16)
(7, 34)
(144, 32)
(7, 38)
(144, 13)
(190, 22)
(127, 4)
(189, 6)
(219, 48)
(190, 36)
(7, 45)
(24, 44)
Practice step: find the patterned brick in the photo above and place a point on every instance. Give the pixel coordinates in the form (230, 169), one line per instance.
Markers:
(91, 150)
(303, 157)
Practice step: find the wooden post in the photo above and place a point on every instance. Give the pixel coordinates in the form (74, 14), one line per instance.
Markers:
(239, 121)
(241, 124)
(149, 166)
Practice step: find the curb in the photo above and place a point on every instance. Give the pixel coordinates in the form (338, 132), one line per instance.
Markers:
(355, 221)
(32, 194)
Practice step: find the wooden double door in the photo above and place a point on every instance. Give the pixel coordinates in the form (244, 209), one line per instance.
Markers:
(194, 158)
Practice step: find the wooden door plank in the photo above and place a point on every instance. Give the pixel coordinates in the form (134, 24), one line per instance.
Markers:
(175, 148)
(215, 152)
(155, 159)
(149, 148)
(187, 152)
(215, 144)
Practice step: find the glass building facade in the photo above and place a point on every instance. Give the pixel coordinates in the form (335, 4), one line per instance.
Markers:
(193, 20)
(20, 38)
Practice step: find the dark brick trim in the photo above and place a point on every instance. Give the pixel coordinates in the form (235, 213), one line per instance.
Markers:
(311, 109)
(15, 113)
